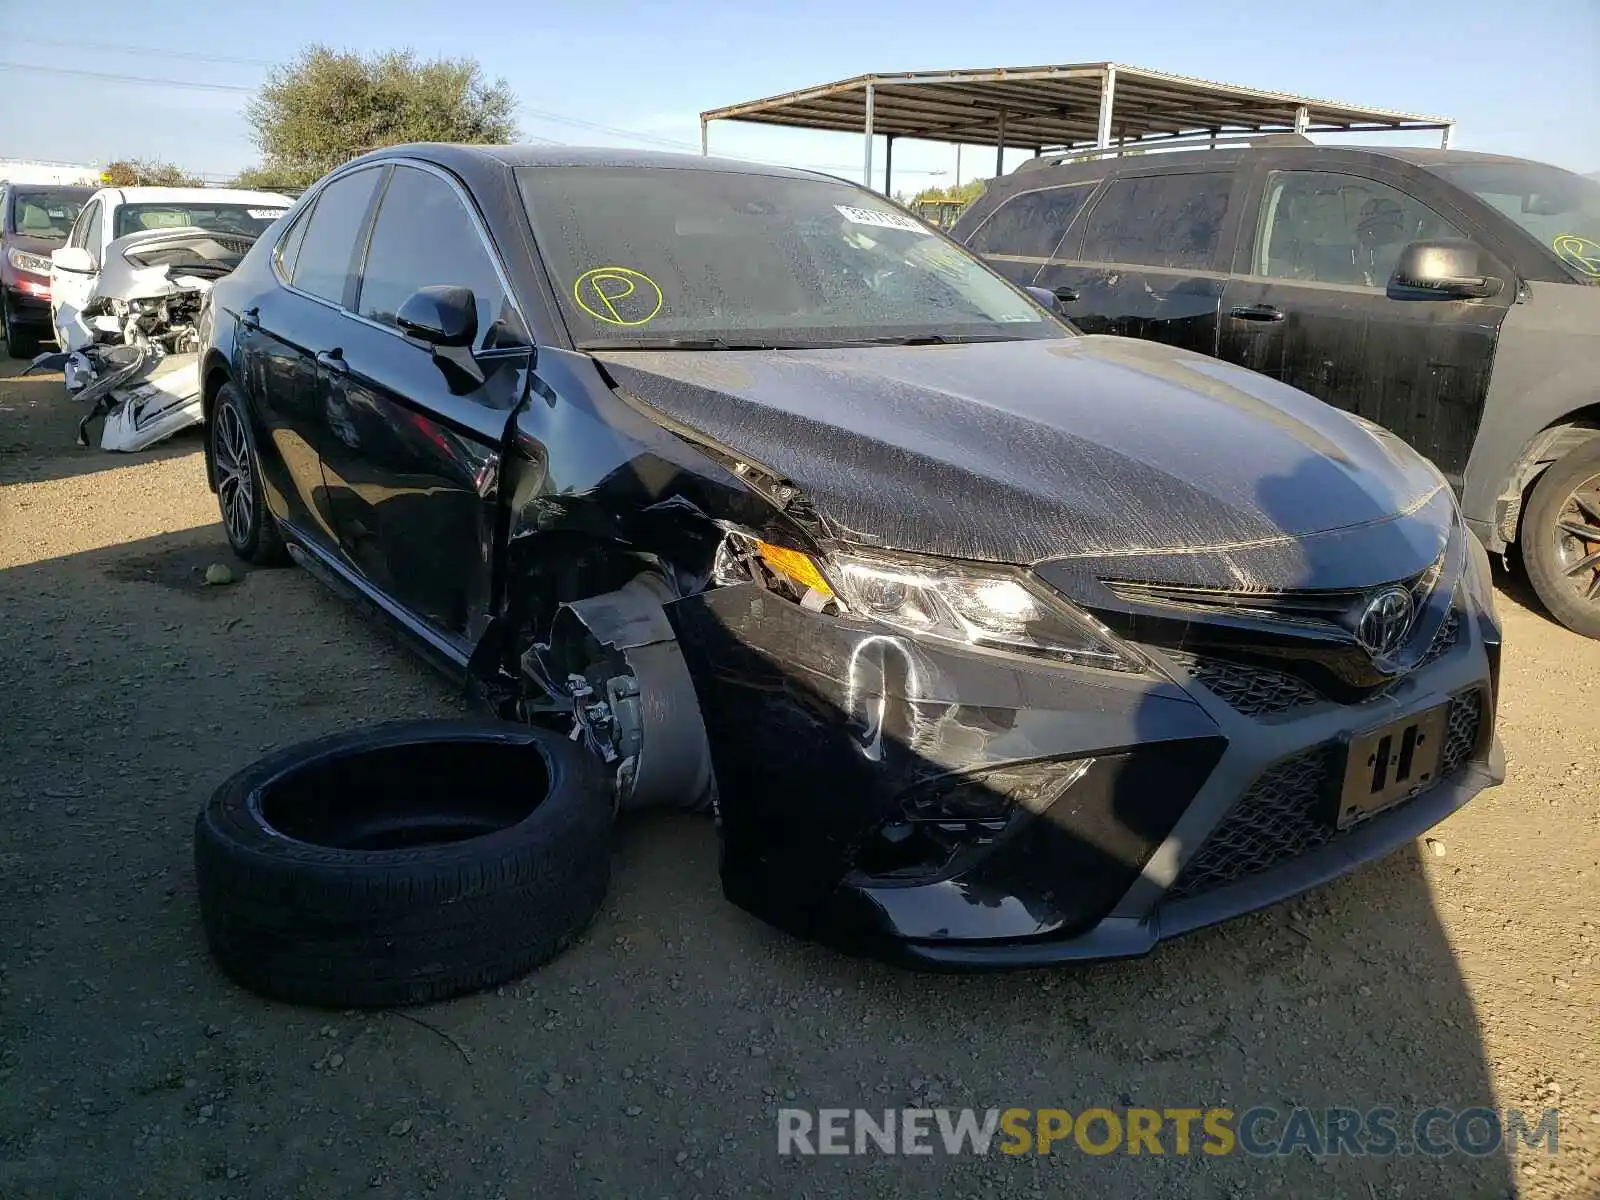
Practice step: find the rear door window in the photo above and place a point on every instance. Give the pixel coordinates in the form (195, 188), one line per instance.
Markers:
(1323, 227)
(328, 248)
(424, 237)
(1159, 220)
(1031, 224)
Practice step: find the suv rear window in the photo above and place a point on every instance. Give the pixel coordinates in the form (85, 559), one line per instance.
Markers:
(1030, 224)
(1159, 220)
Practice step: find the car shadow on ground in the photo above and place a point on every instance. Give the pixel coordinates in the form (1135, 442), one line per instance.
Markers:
(652, 1057)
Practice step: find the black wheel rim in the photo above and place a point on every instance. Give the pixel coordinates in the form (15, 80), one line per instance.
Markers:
(1577, 535)
(235, 492)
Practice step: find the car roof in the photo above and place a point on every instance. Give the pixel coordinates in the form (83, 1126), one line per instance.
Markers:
(454, 155)
(158, 195)
(1229, 156)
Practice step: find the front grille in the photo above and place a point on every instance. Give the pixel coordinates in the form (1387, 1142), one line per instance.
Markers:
(1261, 691)
(1253, 691)
(1444, 641)
(1466, 720)
(1283, 815)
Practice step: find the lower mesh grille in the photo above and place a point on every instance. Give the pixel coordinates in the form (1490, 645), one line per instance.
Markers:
(1283, 815)
(1253, 691)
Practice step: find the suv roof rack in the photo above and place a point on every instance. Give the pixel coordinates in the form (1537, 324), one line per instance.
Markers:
(1202, 141)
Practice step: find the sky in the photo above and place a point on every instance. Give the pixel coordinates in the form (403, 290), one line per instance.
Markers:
(1519, 78)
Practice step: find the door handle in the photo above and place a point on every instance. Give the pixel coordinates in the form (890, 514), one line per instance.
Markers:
(249, 318)
(1256, 312)
(332, 361)
(1067, 295)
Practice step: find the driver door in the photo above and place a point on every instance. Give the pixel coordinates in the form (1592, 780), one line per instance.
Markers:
(71, 291)
(1308, 304)
(412, 451)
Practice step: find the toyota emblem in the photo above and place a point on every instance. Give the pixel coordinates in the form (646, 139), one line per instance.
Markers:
(1385, 622)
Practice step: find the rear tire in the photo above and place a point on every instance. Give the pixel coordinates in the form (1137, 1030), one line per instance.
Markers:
(250, 527)
(1566, 496)
(20, 343)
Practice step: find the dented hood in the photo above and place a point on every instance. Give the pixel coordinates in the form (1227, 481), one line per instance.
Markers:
(1084, 447)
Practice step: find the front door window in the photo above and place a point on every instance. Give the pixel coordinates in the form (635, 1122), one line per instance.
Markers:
(1322, 227)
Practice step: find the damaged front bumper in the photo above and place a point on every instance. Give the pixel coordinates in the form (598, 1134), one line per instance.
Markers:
(959, 810)
(144, 394)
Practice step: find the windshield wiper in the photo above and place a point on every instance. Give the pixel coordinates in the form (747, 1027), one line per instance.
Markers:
(916, 339)
(679, 343)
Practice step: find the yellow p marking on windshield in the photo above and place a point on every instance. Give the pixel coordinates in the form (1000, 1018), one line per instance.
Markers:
(1580, 252)
(618, 295)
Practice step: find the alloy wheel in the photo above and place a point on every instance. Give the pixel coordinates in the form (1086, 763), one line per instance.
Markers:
(1577, 535)
(235, 482)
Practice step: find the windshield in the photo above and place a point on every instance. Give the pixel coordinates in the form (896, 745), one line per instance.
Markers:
(701, 258)
(46, 214)
(186, 214)
(1560, 209)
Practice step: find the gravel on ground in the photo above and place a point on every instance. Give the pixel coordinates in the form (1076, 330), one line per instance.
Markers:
(650, 1059)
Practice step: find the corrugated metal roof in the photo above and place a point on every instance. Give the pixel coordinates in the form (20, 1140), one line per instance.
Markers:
(1056, 106)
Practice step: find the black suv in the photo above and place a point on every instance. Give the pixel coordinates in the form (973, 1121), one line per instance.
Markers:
(35, 219)
(1449, 296)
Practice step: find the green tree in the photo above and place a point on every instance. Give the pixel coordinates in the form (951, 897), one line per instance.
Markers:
(266, 179)
(147, 172)
(966, 193)
(326, 107)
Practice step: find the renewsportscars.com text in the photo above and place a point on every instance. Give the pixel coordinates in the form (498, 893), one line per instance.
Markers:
(1260, 1131)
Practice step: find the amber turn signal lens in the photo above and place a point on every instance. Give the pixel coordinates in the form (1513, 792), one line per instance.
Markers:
(792, 564)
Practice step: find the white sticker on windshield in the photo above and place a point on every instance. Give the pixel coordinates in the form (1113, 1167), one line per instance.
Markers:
(266, 214)
(883, 220)
(57, 214)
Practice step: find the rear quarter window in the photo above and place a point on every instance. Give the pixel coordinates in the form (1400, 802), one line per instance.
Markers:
(1031, 224)
(1159, 220)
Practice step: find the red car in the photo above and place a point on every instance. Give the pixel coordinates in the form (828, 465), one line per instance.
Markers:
(34, 220)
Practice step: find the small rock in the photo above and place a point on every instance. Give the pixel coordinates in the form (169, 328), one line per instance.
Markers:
(206, 1110)
(336, 1060)
(400, 1128)
(633, 1110)
(1436, 846)
(554, 1083)
(218, 575)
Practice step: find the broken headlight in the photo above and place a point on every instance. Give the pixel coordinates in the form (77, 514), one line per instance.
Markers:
(977, 605)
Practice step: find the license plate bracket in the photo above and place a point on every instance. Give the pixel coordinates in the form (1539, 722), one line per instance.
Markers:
(1391, 763)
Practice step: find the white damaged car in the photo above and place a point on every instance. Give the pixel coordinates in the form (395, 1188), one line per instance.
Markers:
(126, 294)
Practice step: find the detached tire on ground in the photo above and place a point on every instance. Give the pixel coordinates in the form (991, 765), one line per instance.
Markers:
(403, 863)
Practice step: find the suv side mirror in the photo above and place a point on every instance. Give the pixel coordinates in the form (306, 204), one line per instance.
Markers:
(74, 258)
(1444, 269)
(441, 316)
(1047, 299)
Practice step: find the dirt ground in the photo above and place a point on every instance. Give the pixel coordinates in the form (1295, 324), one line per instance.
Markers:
(650, 1060)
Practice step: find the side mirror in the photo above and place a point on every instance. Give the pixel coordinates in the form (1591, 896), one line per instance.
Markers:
(1444, 269)
(1046, 298)
(441, 316)
(74, 258)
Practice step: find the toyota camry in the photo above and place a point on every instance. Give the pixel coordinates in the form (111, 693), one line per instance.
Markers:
(989, 644)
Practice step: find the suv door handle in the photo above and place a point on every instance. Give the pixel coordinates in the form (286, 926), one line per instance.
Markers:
(332, 361)
(249, 318)
(1256, 312)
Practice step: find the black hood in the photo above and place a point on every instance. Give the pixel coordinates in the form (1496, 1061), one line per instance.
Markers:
(1135, 459)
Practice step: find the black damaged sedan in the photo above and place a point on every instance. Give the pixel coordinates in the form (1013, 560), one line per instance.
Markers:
(988, 643)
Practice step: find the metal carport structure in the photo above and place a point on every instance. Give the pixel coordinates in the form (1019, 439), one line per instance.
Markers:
(1064, 107)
